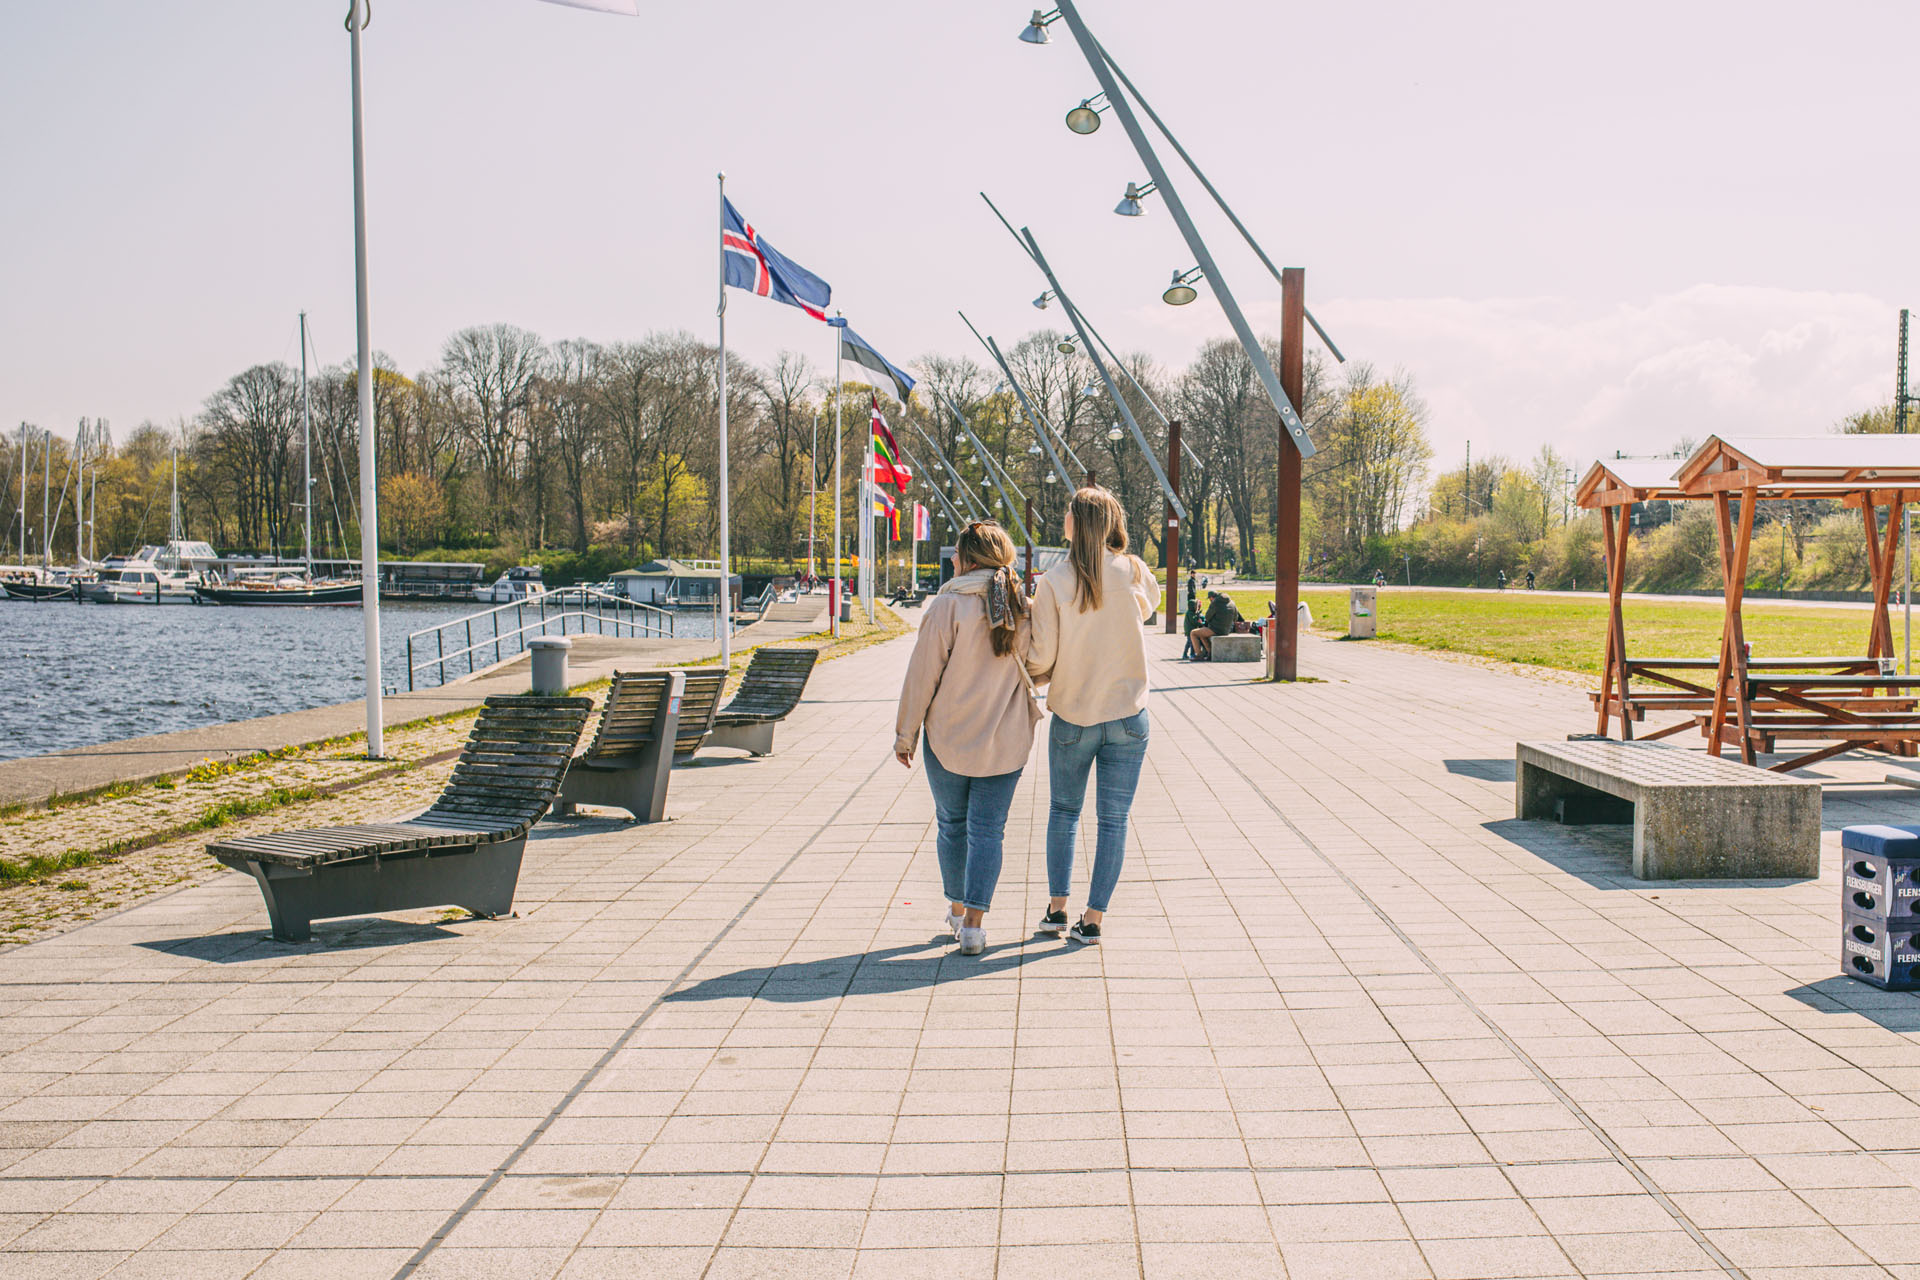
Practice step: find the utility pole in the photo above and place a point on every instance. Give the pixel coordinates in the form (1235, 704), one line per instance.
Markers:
(1170, 530)
(1286, 540)
(1466, 486)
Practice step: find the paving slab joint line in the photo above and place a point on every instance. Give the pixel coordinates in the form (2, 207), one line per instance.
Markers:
(1565, 1099)
(493, 1179)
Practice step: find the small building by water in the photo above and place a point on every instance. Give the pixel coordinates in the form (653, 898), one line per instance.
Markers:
(672, 583)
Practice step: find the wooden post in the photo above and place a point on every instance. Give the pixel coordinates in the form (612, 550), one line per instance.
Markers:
(1170, 530)
(1286, 522)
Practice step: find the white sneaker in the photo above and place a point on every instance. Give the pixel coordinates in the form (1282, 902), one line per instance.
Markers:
(953, 923)
(972, 941)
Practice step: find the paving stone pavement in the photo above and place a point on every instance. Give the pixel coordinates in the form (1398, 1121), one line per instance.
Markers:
(1351, 1020)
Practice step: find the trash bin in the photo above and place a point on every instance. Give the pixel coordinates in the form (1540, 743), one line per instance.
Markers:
(1360, 619)
(549, 664)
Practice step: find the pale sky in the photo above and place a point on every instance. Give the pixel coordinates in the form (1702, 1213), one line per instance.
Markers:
(1604, 227)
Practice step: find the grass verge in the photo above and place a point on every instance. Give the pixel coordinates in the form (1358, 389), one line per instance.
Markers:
(1569, 633)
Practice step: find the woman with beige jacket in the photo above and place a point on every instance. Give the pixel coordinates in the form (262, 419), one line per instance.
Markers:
(1088, 642)
(967, 691)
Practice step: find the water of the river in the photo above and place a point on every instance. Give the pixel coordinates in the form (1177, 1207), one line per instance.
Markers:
(78, 674)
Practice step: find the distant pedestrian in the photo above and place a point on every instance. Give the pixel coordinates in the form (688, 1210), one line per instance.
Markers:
(967, 690)
(1529, 579)
(1088, 642)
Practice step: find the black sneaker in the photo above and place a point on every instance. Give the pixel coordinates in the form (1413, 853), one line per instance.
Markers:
(1084, 932)
(1054, 922)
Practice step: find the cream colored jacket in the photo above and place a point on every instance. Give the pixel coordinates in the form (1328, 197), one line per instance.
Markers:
(1096, 660)
(972, 703)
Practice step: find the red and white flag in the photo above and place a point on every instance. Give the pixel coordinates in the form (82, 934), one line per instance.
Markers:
(629, 7)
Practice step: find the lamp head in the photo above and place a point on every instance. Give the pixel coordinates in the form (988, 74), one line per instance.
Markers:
(1115, 433)
(1052, 478)
(1130, 206)
(1181, 291)
(1042, 301)
(1035, 32)
(1090, 390)
(1067, 348)
(1034, 450)
(1085, 118)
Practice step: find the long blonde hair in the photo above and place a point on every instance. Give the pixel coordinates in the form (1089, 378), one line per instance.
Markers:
(985, 545)
(1099, 526)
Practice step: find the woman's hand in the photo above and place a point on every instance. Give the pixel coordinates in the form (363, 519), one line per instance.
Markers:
(905, 758)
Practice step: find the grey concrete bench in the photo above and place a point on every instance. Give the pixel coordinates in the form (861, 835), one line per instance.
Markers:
(1236, 646)
(1695, 816)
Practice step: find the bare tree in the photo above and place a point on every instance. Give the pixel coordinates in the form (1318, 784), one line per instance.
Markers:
(493, 368)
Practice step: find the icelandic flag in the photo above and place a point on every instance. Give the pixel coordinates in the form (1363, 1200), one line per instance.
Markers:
(922, 524)
(629, 7)
(857, 349)
(757, 267)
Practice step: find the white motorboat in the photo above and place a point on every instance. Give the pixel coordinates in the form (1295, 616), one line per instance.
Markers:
(154, 575)
(522, 582)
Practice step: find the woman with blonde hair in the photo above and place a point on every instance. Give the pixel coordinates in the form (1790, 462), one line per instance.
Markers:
(1087, 640)
(968, 691)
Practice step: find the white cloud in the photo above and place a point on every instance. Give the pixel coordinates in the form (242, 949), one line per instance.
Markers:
(1514, 373)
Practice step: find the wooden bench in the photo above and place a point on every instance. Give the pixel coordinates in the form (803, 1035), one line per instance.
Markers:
(771, 689)
(464, 851)
(627, 764)
(698, 706)
(1695, 816)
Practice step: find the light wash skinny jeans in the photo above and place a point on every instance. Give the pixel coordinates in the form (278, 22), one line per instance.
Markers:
(970, 823)
(1120, 748)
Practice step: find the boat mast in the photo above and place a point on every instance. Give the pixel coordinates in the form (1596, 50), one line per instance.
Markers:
(174, 533)
(26, 460)
(46, 503)
(93, 508)
(80, 491)
(306, 427)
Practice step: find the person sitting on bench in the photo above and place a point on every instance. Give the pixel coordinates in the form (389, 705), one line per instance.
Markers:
(1220, 620)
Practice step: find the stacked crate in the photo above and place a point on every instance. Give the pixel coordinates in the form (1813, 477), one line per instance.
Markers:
(1880, 906)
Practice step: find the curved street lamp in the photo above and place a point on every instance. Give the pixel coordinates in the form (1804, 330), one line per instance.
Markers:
(1115, 433)
(1181, 291)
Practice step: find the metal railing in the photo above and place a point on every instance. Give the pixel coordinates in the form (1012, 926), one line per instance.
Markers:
(586, 609)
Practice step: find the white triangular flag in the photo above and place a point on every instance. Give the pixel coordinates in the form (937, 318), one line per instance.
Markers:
(629, 7)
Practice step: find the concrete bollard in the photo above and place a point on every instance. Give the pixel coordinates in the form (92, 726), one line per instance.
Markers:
(549, 664)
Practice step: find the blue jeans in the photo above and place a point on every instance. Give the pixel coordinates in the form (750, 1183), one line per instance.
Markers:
(970, 819)
(1120, 746)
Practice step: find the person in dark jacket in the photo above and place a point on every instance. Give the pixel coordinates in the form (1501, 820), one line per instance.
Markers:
(1221, 615)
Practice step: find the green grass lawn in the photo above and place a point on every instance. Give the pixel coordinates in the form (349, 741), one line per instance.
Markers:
(1570, 633)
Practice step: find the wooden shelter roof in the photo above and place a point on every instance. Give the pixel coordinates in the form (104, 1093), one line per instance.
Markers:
(1830, 466)
(1617, 482)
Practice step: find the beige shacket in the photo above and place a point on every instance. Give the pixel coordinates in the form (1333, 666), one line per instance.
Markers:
(1095, 661)
(972, 702)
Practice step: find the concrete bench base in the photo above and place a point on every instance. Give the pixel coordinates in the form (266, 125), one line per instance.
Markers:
(1695, 816)
(1236, 647)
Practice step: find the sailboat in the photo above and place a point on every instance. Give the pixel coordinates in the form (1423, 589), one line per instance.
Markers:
(289, 587)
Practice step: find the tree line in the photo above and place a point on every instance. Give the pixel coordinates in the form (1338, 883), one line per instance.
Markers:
(597, 456)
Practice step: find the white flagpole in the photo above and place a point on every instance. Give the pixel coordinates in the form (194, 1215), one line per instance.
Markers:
(306, 437)
(369, 516)
(835, 587)
(868, 538)
(725, 623)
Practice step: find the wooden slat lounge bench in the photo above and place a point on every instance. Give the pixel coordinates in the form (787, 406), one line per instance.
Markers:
(464, 851)
(1695, 816)
(697, 709)
(627, 764)
(771, 689)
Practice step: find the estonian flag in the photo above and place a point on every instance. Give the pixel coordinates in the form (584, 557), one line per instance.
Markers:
(855, 348)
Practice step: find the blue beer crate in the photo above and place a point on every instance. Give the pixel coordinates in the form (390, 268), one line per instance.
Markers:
(1885, 954)
(1880, 872)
